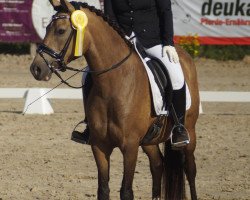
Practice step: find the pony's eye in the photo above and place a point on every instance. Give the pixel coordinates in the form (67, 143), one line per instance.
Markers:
(60, 31)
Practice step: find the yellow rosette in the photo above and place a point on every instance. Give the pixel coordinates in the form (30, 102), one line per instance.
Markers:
(79, 20)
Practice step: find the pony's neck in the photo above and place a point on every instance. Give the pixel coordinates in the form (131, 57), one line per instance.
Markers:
(106, 47)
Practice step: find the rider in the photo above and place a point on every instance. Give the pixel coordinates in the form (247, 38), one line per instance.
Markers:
(151, 22)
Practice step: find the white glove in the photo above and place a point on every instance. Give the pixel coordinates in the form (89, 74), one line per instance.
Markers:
(171, 53)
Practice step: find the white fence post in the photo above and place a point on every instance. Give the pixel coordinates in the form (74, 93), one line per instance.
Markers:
(43, 106)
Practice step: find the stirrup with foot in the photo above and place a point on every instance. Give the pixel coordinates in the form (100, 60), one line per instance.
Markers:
(179, 136)
(80, 137)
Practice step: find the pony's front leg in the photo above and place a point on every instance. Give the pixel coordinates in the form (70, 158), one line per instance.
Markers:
(102, 158)
(130, 153)
(156, 167)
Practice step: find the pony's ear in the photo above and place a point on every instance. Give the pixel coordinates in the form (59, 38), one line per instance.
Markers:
(67, 6)
(55, 3)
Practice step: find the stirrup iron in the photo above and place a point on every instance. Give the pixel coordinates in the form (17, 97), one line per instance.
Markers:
(181, 144)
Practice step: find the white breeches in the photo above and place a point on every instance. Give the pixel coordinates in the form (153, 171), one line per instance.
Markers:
(174, 69)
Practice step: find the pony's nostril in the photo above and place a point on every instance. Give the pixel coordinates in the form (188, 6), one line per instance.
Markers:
(36, 71)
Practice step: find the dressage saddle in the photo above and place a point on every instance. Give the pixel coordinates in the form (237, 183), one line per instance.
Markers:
(164, 84)
(160, 73)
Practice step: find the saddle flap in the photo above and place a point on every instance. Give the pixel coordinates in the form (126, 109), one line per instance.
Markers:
(159, 75)
(162, 79)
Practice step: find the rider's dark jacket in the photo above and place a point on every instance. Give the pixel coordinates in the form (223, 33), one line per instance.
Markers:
(150, 20)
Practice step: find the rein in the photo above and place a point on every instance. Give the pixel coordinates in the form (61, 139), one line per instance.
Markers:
(44, 49)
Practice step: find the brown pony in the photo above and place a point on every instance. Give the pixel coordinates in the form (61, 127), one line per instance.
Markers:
(119, 105)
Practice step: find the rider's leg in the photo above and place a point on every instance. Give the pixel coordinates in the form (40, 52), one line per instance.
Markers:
(83, 137)
(180, 136)
(174, 69)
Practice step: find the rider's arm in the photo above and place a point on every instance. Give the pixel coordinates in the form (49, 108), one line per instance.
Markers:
(167, 30)
(108, 10)
(166, 21)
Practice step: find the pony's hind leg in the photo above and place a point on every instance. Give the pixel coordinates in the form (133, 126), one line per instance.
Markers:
(102, 158)
(156, 167)
(130, 153)
(190, 166)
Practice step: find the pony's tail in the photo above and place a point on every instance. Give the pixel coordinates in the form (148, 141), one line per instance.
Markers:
(173, 186)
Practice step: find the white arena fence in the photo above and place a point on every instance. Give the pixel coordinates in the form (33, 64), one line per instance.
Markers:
(43, 106)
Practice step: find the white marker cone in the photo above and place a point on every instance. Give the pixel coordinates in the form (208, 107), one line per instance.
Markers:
(41, 106)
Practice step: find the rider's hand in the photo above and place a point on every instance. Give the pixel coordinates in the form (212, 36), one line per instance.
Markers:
(171, 53)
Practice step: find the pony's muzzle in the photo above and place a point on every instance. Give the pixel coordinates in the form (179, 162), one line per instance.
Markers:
(40, 73)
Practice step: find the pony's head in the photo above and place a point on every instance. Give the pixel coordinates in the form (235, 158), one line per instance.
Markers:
(64, 41)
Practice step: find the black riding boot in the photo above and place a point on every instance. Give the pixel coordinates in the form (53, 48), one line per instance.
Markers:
(180, 137)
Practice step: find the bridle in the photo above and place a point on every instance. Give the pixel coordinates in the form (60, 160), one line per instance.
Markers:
(42, 48)
(59, 57)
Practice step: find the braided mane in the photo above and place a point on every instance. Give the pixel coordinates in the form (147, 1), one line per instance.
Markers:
(106, 18)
